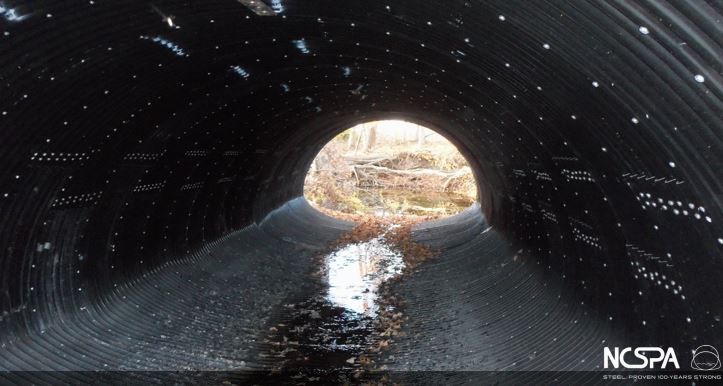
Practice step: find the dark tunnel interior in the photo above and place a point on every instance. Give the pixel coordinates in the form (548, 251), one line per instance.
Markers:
(154, 156)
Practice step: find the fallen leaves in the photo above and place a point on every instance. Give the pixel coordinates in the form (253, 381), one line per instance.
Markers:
(316, 333)
(390, 318)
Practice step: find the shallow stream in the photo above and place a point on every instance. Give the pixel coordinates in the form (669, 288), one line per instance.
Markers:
(325, 335)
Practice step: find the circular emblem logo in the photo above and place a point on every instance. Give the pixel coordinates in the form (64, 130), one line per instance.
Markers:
(705, 358)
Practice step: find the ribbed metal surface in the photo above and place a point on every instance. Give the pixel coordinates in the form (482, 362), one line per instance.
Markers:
(203, 312)
(128, 142)
(484, 304)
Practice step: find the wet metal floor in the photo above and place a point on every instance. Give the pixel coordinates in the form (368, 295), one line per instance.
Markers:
(246, 306)
(325, 337)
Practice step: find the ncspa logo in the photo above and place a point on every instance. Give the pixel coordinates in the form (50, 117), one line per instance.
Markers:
(705, 358)
(640, 357)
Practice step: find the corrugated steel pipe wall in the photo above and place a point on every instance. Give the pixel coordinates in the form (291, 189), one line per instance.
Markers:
(130, 142)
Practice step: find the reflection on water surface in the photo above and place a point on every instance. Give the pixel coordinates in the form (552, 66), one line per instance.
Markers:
(355, 272)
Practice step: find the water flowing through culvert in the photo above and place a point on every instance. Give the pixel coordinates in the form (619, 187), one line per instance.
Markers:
(333, 334)
(355, 272)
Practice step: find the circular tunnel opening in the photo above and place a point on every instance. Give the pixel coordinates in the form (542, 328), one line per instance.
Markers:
(153, 210)
(390, 168)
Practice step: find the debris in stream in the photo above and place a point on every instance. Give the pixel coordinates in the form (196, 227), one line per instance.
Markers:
(338, 333)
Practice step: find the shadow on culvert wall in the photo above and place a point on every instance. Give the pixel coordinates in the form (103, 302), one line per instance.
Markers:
(152, 169)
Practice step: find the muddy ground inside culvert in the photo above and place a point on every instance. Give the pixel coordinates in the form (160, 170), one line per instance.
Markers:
(338, 331)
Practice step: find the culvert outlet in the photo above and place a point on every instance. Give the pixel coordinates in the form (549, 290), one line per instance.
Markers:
(154, 157)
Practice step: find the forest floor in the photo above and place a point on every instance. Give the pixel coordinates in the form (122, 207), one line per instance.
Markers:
(391, 180)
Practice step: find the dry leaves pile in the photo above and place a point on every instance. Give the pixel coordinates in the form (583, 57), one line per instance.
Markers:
(397, 232)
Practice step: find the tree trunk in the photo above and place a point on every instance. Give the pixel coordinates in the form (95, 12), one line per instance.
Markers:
(371, 136)
(350, 140)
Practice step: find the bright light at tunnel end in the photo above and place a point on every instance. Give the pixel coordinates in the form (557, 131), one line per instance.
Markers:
(397, 168)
